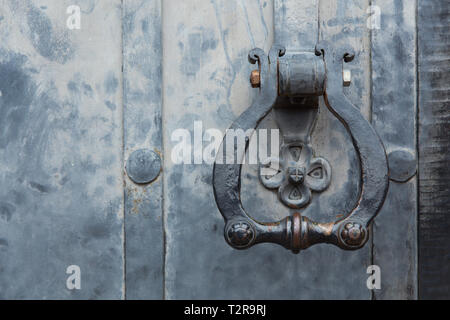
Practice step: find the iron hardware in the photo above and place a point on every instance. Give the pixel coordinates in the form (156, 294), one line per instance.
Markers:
(143, 166)
(305, 76)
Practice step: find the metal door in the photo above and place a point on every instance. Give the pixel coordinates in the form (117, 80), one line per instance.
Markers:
(97, 98)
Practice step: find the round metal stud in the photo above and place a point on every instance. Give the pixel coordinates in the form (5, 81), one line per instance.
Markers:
(402, 165)
(353, 234)
(240, 234)
(143, 166)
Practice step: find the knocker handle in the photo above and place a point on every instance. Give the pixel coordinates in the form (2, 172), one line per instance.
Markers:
(278, 76)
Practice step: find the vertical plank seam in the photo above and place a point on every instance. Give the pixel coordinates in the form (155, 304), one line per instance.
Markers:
(163, 207)
(372, 227)
(124, 248)
(417, 149)
(318, 22)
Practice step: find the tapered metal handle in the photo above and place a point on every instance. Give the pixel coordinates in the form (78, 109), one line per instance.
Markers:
(297, 232)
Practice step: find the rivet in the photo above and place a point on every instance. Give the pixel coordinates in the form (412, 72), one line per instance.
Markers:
(255, 79)
(143, 166)
(353, 234)
(240, 234)
(402, 164)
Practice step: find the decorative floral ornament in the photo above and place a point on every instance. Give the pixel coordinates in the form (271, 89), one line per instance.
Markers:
(295, 174)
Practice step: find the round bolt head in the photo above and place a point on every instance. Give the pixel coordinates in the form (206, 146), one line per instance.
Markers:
(402, 165)
(296, 175)
(240, 234)
(143, 166)
(353, 234)
(255, 79)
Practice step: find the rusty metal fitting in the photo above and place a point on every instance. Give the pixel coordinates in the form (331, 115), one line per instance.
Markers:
(353, 234)
(255, 79)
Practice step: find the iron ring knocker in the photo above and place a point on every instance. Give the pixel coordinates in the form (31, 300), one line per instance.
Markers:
(297, 232)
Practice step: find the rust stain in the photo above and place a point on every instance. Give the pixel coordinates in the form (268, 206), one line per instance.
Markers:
(136, 204)
(255, 79)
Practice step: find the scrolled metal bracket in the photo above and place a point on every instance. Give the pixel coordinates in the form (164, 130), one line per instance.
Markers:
(297, 232)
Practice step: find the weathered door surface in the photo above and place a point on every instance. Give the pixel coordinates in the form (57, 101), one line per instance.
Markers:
(110, 113)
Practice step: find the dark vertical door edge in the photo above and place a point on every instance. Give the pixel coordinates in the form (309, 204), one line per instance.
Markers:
(434, 156)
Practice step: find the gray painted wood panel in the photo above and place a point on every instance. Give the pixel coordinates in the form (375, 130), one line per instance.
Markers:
(289, 18)
(206, 79)
(296, 24)
(343, 24)
(142, 72)
(61, 200)
(394, 118)
(211, 40)
(75, 104)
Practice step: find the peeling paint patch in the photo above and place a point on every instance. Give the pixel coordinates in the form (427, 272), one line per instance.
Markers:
(17, 93)
(111, 83)
(6, 211)
(3, 244)
(111, 105)
(194, 50)
(39, 187)
(52, 45)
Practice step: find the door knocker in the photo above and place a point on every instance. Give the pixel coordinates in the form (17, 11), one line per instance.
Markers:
(293, 75)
